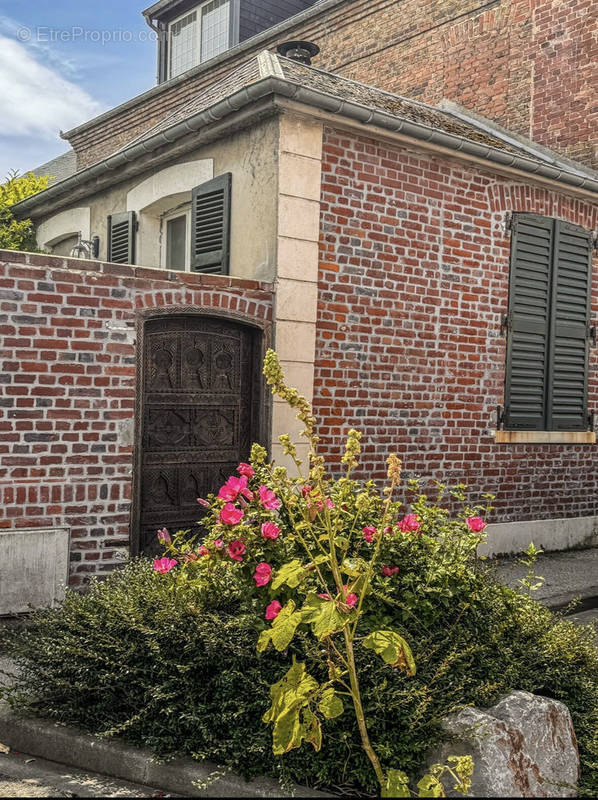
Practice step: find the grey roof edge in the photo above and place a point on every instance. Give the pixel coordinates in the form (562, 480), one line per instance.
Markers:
(313, 11)
(510, 137)
(323, 102)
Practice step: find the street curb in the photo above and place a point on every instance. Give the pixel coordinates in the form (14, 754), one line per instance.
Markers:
(69, 746)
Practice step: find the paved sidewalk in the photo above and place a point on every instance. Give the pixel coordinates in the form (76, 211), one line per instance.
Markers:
(567, 576)
(23, 776)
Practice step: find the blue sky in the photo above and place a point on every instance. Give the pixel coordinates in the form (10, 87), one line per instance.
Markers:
(56, 72)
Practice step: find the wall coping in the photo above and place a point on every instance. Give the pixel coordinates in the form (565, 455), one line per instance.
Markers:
(47, 261)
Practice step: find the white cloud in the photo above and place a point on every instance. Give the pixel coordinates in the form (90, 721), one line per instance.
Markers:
(35, 99)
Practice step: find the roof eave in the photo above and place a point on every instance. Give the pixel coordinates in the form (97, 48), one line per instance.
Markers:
(322, 101)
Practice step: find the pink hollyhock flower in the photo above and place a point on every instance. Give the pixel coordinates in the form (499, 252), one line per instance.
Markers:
(191, 557)
(236, 550)
(268, 499)
(235, 487)
(231, 515)
(218, 543)
(203, 551)
(270, 530)
(476, 524)
(203, 502)
(369, 532)
(410, 523)
(306, 490)
(164, 565)
(263, 574)
(164, 536)
(388, 572)
(388, 530)
(329, 503)
(246, 470)
(273, 610)
(351, 600)
(324, 596)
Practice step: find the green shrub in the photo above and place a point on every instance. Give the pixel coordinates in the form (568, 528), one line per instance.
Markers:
(138, 656)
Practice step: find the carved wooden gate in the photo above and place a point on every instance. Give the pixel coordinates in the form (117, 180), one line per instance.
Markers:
(199, 415)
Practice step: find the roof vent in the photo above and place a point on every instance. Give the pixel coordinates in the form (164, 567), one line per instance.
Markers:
(303, 52)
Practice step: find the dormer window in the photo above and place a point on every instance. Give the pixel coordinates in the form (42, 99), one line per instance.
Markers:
(191, 32)
(198, 35)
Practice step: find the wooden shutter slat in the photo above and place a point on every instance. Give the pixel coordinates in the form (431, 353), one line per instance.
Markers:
(121, 237)
(569, 348)
(210, 227)
(529, 311)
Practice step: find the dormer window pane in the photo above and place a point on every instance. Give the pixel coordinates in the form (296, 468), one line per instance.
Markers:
(215, 26)
(183, 44)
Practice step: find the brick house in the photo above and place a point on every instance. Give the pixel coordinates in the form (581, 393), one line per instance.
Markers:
(424, 273)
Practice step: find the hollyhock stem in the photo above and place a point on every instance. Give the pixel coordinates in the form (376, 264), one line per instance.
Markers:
(359, 714)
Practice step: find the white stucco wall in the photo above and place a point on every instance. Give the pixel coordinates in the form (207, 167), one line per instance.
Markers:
(66, 223)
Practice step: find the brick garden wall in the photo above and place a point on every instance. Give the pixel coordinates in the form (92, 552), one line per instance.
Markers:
(414, 266)
(531, 65)
(67, 390)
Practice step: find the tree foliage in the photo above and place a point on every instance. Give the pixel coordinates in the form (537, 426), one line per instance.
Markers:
(18, 234)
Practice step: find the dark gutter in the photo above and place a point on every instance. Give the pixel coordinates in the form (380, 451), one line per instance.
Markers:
(323, 102)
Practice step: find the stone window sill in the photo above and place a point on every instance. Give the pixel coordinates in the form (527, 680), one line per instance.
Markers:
(545, 437)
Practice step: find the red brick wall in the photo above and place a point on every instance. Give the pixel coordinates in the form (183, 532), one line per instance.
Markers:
(413, 284)
(67, 386)
(531, 65)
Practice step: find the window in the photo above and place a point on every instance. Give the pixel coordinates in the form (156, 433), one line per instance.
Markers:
(198, 36)
(176, 250)
(548, 324)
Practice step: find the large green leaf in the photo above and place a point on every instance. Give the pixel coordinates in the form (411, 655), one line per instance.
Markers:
(290, 697)
(393, 649)
(323, 615)
(292, 574)
(330, 705)
(397, 784)
(283, 629)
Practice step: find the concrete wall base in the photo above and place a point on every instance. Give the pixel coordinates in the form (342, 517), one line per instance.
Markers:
(550, 535)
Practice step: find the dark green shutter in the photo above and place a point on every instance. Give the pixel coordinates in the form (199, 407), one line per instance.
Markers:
(210, 226)
(569, 346)
(529, 319)
(121, 237)
(546, 385)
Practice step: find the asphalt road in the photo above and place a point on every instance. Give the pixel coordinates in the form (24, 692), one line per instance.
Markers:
(23, 776)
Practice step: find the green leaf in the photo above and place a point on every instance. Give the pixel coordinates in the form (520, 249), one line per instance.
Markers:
(393, 649)
(397, 784)
(292, 574)
(291, 695)
(283, 629)
(330, 705)
(287, 733)
(312, 729)
(429, 786)
(323, 615)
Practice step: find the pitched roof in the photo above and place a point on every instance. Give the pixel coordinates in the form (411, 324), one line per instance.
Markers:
(271, 76)
(61, 167)
(446, 120)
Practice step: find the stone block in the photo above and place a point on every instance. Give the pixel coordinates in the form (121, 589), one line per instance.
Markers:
(524, 746)
(34, 567)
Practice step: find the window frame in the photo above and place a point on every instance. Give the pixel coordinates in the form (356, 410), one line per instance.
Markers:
(166, 218)
(198, 8)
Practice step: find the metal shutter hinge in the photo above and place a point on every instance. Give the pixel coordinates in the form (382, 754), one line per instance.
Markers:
(500, 418)
(594, 235)
(592, 334)
(508, 222)
(592, 420)
(505, 325)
